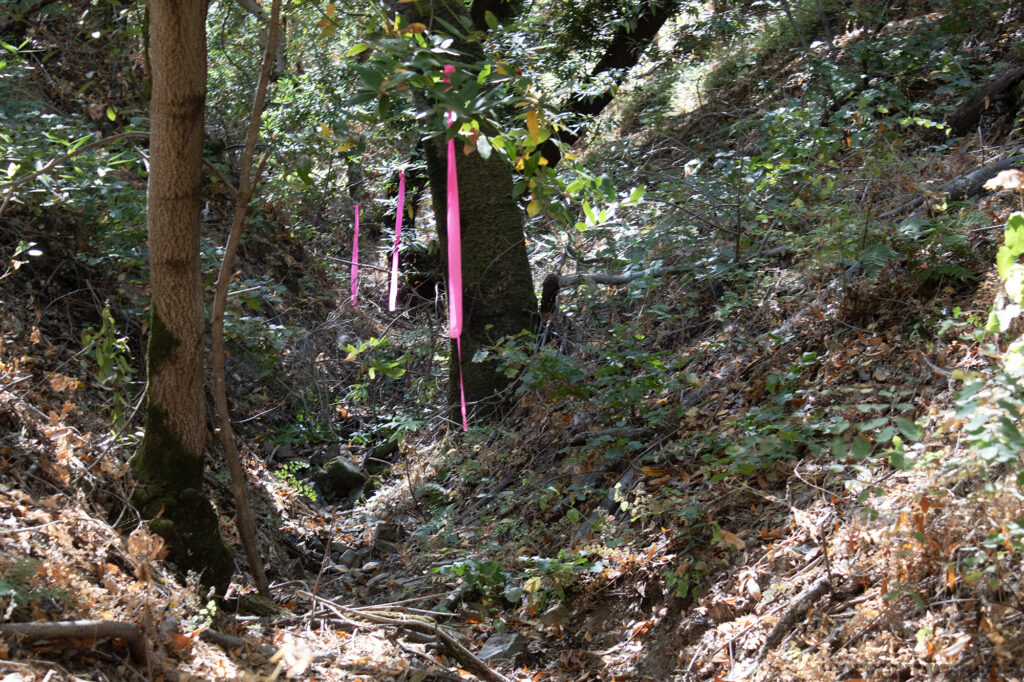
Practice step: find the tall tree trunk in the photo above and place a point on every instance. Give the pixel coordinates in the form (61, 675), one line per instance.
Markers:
(624, 51)
(498, 295)
(170, 462)
(497, 287)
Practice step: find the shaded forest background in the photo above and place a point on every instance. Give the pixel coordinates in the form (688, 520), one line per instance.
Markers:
(758, 418)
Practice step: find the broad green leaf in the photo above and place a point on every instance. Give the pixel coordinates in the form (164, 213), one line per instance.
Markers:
(589, 212)
(1014, 283)
(513, 593)
(1013, 245)
(861, 447)
(637, 194)
(357, 49)
(491, 20)
(899, 460)
(111, 114)
(910, 430)
(608, 187)
(872, 424)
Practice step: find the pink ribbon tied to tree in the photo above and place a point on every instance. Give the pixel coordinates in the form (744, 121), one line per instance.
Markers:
(355, 258)
(393, 296)
(454, 233)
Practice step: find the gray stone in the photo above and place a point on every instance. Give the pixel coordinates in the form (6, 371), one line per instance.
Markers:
(385, 530)
(502, 646)
(341, 478)
(348, 558)
(385, 546)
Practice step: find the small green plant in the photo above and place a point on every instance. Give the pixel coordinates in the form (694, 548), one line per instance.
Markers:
(289, 475)
(683, 580)
(22, 587)
(372, 362)
(994, 405)
(114, 371)
(547, 576)
(15, 264)
(486, 577)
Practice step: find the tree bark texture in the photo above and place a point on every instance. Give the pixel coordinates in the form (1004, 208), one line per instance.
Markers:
(623, 52)
(497, 287)
(963, 120)
(498, 295)
(170, 462)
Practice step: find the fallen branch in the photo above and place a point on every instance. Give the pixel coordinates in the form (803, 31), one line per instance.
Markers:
(631, 433)
(609, 279)
(964, 118)
(796, 610)
(424, 626)
(131, 634)
(961, 187)
(232, 643)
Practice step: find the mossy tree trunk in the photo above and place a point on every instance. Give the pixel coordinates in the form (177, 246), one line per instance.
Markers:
(169, 465)
(498, 295)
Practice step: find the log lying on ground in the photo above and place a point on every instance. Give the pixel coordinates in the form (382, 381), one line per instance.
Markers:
(961, 187)
(132, 634)
(966, 117)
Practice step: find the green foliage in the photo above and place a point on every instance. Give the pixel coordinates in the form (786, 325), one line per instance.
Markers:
(373, 362)
(24, 589)
(487, 576)
(23, 247)
(114, 371)
(547, 577)
(288, 474)
(993, 405)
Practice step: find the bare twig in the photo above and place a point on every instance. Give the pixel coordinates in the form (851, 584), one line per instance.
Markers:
(232, 643)
(454, 647)
(244, 517)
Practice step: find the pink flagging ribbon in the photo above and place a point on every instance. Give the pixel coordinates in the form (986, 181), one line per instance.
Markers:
(455, 260)
(393, 297)
(454, 245)
(355, 258)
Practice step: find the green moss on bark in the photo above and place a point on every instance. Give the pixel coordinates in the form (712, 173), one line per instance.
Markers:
(188, 524)
(170, 479)
(160, 346)
(162, 460)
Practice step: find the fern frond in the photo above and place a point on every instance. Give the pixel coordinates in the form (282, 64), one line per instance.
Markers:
(944, 270)
(875, 257)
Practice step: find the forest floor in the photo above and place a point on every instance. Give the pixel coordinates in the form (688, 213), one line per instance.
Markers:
(801, 578)
(490, 555)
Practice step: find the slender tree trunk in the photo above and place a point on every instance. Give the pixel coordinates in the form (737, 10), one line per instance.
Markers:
(169, 465)
(246, 182)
